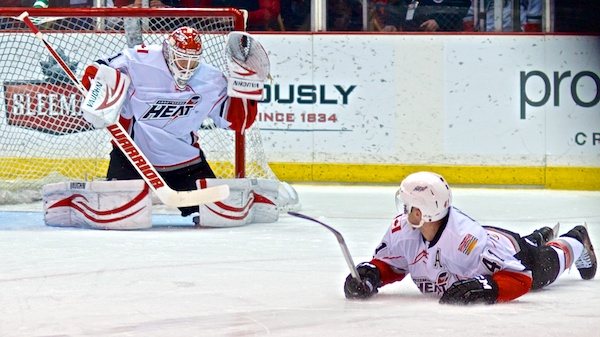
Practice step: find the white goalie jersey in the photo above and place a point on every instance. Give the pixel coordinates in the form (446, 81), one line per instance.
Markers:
(158, 115)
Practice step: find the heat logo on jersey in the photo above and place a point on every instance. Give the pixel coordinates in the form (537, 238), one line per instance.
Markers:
(437, 287)
(171, 109)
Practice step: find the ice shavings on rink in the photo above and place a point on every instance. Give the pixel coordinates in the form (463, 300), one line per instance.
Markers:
(274, 279)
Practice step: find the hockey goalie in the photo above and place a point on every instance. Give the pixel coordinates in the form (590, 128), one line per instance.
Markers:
(161, 94)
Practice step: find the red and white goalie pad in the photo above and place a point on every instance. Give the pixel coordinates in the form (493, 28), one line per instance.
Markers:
(124, 204)
(247, 66)
(249, 201)
(287, 199)
(107, 93)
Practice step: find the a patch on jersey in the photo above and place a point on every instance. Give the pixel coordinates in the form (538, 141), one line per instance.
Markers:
(170, 108)
(396, 225)
(467, 244)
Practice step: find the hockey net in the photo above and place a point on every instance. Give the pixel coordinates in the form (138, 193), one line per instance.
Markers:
(44, 139)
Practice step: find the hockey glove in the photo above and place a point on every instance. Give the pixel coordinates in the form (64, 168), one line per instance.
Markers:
(108, 92)
(241, 113)
(247, 66)
(480, 289)
(371, 280)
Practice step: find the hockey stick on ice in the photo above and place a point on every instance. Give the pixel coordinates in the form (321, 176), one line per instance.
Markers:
(341, 241)
(167, 195)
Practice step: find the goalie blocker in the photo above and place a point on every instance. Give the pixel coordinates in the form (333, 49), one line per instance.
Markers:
(127, 204)
(107, 93)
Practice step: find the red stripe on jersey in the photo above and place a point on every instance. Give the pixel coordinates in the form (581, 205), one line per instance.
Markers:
(388, 274)
(512, 284)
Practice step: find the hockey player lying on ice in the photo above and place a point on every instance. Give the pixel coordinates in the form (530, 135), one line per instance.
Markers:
(170, 91)
(451, 256)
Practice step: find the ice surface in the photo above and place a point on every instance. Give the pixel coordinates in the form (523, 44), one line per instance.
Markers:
(278, 279)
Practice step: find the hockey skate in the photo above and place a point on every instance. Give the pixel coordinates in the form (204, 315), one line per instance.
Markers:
(586, 263)
(541, 236)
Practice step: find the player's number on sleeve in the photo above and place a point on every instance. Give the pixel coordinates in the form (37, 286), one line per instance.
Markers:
(492, 266)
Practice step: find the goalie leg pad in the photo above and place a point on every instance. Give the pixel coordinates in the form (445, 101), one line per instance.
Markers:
(118, 205)
(288, 199)
(266, 194)
(250, 200)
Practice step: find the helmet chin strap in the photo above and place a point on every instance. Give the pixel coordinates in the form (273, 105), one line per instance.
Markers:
(417, 226)
(421, 222)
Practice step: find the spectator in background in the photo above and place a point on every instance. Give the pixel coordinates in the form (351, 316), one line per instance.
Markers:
(576, 16)
(46, 3)
(17, 3)
(295, 14)
(70, 3)
(344, 15)
(57, 23)
(8, 23)
(138, 3)
(531, 17)
(41, 4)
(262, 14)
(424, 15)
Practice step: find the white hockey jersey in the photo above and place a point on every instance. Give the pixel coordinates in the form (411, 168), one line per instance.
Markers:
(163, 120)
(462, 250)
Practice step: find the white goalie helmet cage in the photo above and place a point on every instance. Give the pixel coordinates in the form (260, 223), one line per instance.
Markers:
(427, 191)
(182, 50)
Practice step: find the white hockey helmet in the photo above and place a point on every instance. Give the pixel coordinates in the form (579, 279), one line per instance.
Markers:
(182, 50)
(428, 192)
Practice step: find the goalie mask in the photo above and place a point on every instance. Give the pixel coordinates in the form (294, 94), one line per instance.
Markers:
(428, 192)
(182, 50)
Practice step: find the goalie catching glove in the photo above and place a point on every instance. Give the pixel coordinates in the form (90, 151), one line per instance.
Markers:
(247, 68)
(107, 93)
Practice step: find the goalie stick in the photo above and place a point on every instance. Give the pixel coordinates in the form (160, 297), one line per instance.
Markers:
(341, 241)
(167, 195)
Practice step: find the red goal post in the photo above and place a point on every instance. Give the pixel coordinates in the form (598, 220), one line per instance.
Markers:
(44, 139)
